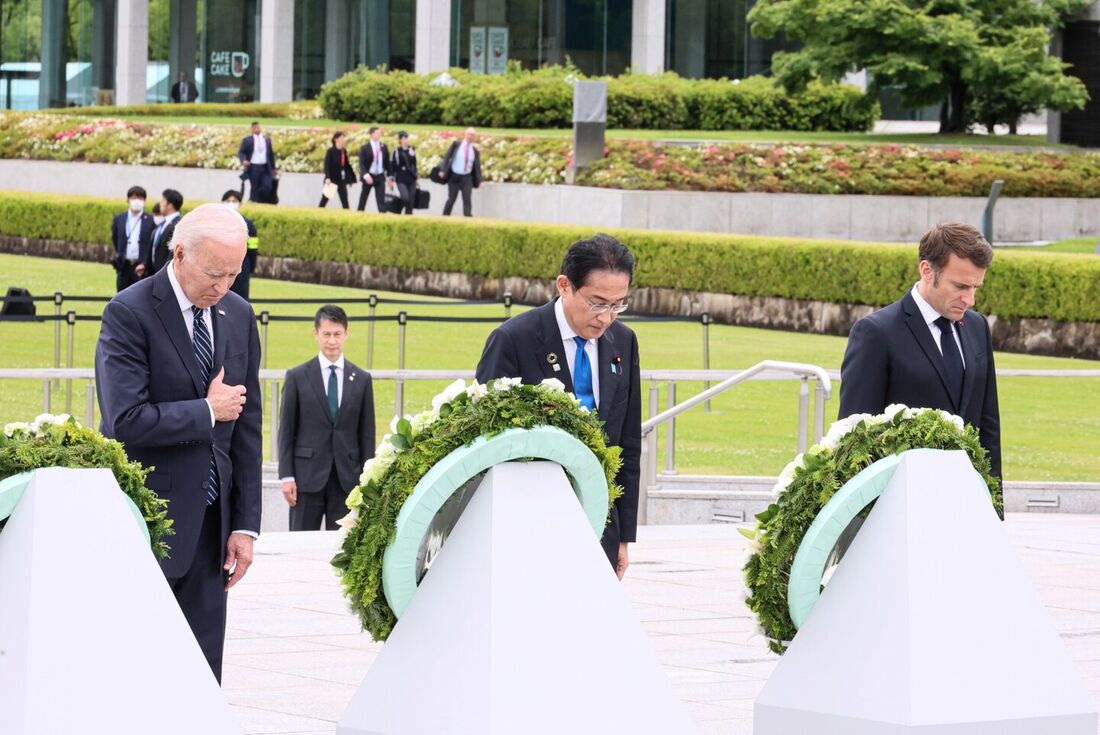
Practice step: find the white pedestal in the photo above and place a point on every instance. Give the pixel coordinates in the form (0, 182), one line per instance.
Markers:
(929, 625)
(520, 626)
(91, 638)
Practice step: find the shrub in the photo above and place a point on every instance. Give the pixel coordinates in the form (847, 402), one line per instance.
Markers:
(253, 110)
(1064, 287)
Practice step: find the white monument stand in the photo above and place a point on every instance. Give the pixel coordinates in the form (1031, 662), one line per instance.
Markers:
(91, 638)
(929, 626)
(520, 626)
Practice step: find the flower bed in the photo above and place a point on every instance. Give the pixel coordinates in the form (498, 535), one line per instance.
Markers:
(808, 482)
(60, 441)
(459, 416)
(731, 167)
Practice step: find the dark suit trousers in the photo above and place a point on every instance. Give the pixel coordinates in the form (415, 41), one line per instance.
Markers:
(259, 179)
(455, 184)
(126, 276)
(379, 187)
(408, 195)
(201, 592)
(342, 192)
(330, 503)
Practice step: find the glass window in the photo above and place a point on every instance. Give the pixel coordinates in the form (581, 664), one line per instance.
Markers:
(230, 29)
(309, 48)
(711, 39)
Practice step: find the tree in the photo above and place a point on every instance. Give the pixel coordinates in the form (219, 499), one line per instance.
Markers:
(945, 52)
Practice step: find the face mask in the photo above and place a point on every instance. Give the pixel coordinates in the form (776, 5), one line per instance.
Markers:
(233, 205)
(158, 220)
(136, 205)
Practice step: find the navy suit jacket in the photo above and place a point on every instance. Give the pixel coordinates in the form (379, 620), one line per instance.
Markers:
(892, 358)
(521, 348)
(151, 400)
(120, 239)
(310, 442)
(244, 153)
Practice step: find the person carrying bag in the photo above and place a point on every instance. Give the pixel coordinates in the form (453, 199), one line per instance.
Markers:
(338, 171)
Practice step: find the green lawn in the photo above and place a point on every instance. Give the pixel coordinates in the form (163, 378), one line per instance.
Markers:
(1051, 426)
(744, 136)
(1086, 245)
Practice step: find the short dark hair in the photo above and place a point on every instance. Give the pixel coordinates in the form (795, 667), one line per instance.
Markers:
(135, 191)
(254, 122)
(156, 208)
(599, 252)
(337, 134)
(231, 194)
(332, 313)
(372, 129)
(174, 198)
(963, 240)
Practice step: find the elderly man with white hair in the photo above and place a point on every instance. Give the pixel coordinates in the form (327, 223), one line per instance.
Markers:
(177, 369)
(462, 172)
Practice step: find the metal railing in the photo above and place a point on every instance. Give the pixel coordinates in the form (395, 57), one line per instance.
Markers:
(767, 370)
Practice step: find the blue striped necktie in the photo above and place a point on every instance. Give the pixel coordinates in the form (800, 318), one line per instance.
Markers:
(582, 376)
(204, 353)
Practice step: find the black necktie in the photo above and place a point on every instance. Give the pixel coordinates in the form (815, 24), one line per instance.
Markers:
(952, 359)
(204, 353)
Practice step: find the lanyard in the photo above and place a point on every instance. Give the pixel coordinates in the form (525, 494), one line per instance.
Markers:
(130, 228)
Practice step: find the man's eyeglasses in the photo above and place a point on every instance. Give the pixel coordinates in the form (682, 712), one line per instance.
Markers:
(618, 308)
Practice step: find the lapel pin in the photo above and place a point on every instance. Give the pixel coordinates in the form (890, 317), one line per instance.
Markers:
(221, 313)
(557, 368)
(351, 377)
(616, 365)
(552, 358)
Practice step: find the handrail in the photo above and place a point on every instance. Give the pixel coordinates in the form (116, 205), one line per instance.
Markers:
(801, 370)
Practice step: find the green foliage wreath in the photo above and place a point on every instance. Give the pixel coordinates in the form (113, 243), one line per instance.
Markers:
(809, 481)
(458, 416)
(60, 441)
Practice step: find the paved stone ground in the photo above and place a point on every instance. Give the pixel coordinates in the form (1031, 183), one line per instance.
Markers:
(295, 656)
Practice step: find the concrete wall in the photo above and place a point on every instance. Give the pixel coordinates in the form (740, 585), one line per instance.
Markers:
(876, 218)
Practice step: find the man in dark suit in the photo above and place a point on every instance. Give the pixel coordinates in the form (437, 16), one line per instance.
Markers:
(183, 90)
(462, 171)
(241, 286)
(326, 429)
(171, 202)
(257, 157)
(177, 373)
(576, 339)
(930, 349)
(374, 170)
(132, 235)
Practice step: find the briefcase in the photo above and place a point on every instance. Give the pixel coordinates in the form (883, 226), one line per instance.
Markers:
(436, 175)
(394, 204)
(423, 198)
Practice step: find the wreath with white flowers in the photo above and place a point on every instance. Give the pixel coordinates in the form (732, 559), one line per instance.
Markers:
(809, 481)
(459, 415)
(60, 441)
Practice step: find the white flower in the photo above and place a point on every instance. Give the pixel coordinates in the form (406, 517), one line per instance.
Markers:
(377, 465)
(503, 384)
(787, 475)
(44, 419)
(477, 391)
(423, 420)
(952, 418)
(449, 393)
(892, 411)
(350, 521)
(553, 385)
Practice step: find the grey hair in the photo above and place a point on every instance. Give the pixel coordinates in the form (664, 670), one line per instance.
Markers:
(209, 223)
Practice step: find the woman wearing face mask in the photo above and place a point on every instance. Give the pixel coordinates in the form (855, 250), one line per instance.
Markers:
(232, 199)
(404, 168)
(338, 170)
(132, 235)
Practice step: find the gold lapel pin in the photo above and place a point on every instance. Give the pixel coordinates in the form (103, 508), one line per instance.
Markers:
(552, 358)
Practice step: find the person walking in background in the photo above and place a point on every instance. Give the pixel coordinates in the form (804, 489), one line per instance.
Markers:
(404, 171)
(171, 202)
(232, 199)
(183, 90)
(257, 157)
(177, 371)
(326, 428)
(157, 216)
(462, 172)
(338, 170)
(374, 168)
(132, 235)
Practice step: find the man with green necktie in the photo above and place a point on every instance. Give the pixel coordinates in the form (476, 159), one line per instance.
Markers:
(326, 427)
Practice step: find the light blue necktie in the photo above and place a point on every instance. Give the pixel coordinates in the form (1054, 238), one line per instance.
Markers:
(582, 376)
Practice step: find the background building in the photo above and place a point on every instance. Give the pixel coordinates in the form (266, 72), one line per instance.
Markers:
(80, 52)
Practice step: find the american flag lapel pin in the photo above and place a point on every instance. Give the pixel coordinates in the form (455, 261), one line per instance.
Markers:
(616, 365)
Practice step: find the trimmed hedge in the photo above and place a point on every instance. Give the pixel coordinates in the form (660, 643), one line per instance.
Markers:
(253, 110)
(544, 99)
(1064, 287)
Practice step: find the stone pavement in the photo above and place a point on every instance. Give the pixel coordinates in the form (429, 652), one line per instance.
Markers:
(295, 656)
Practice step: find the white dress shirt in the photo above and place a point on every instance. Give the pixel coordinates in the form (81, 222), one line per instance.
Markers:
(590, 349)
(325, 364)
(259, 150)
(930, 316)
(189, 320)
(161, 227)
(464, 159)
(376, 164)
(133, 235)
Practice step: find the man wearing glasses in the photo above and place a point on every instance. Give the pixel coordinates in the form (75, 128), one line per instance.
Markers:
(577, 340)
